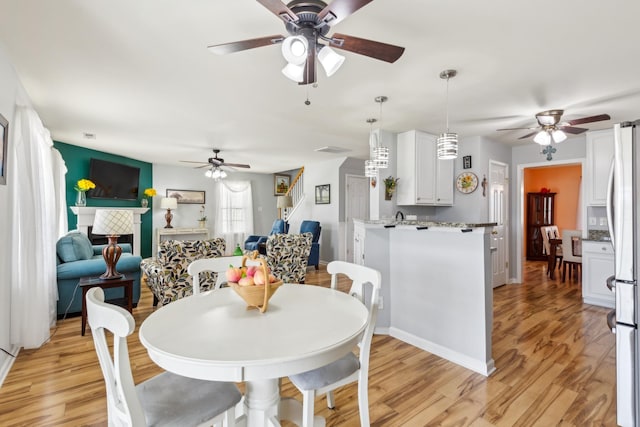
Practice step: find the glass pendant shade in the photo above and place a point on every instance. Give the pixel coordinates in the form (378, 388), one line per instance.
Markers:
(370, 169)
(330, 60)
(447, 146)
(558, 136)
(381, 157)
(542, 138)
(294, 72)
(294, 49)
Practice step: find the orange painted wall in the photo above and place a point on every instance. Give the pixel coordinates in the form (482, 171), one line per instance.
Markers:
(562, 180)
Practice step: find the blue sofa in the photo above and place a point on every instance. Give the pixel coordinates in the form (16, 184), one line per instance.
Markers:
(253, 242)
(76, 258)
(314, 228)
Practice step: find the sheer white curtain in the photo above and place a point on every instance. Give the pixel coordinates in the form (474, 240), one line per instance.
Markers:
(234, 212)
(36, 209)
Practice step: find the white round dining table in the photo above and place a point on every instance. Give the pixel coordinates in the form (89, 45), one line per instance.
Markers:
(213, 336)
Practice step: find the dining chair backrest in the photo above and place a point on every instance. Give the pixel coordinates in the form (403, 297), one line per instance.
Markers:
(549, 232)
(217, 265)
(572, 245)
(360, 276)
(122, 400)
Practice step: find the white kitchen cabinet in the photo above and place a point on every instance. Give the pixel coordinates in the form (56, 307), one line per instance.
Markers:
(424, 180)
(597, 266)
(599, 156)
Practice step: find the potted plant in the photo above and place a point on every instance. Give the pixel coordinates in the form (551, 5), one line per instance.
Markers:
(389, 187)
(202, 220)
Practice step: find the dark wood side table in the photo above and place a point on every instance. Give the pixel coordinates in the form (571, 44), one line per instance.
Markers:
(87, 283)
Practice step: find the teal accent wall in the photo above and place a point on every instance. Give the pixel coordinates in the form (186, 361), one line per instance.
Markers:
(77, 161)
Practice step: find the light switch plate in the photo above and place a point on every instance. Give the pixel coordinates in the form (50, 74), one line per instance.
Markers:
(603, 221)
(592, 220)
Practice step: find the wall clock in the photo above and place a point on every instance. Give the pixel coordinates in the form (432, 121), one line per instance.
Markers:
(467, 182)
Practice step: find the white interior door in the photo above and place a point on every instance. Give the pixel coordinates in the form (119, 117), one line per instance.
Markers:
(498, 213)
(356, 207)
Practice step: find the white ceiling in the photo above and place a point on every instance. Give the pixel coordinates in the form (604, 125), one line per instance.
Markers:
(138, 74)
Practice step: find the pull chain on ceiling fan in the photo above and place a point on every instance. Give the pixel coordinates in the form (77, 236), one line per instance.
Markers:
(308, 22)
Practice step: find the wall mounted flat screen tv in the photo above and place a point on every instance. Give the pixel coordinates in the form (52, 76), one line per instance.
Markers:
(113, 180)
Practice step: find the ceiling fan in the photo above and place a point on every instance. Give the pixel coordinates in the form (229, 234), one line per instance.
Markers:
(217, 162)
(551, 129)
(308, 22)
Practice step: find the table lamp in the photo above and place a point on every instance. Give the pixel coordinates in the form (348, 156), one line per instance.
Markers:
(169, 203)
(283, 202)
(112, 223)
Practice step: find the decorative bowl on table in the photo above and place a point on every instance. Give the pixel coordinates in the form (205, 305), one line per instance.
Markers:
(255, 295)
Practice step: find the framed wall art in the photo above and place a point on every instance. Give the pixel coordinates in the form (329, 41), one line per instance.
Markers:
(190, 197)
(4, 140)
(323, 194)
(281, 184)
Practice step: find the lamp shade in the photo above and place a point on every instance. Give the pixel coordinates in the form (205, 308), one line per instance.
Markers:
(294, 72)
(542, 138)
(558, 136)
(294, 49)
(169, 203)
(447, 146)
(330, 60)
(113, 222)
(284, 202)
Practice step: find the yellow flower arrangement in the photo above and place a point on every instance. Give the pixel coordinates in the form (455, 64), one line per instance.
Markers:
(150, 192)
(84, 185)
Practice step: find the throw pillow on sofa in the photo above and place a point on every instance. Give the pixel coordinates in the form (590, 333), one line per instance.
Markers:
(74, 246)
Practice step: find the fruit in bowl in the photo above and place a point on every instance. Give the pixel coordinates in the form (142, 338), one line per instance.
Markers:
(249, 276)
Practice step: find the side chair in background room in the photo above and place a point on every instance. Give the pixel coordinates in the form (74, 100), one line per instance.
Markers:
(351, 367)
(166, 399)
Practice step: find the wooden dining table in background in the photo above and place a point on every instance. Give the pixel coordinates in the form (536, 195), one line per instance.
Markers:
(553, 246)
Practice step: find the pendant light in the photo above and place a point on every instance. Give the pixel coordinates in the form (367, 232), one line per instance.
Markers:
(380, 152)
(370, 166)
(447, 142)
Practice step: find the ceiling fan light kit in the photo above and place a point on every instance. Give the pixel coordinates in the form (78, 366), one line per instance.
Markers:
(308, 22)
(447, 142)
(551, 129)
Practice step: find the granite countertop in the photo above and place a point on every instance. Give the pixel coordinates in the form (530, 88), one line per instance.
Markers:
(431, 223)
(598, 236)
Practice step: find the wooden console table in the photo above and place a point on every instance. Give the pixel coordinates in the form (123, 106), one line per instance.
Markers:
(172, 233)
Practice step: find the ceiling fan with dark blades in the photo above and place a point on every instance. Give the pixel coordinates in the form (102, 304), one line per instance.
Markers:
(216, 161)
(550, 128)
(308, 23)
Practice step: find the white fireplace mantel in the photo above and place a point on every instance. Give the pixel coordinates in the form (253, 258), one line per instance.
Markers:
(86, 214)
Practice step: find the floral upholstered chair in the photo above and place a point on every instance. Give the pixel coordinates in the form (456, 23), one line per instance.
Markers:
(167, 275)
(287, 256)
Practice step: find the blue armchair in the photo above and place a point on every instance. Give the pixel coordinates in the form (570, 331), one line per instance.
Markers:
(253, 242)
(314, 228)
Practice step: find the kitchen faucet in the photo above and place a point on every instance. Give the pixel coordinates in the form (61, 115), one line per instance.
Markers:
(401, 215)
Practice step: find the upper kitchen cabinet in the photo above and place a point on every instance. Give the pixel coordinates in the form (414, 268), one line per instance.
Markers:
(599, 157)
(424, 180)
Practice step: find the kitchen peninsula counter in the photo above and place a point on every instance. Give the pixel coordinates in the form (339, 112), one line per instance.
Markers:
(436, 286)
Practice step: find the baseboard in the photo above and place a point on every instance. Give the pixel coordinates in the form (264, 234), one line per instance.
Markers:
(479, 366)
(8, 363)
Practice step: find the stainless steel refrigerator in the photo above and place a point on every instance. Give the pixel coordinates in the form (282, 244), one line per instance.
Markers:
(622, 213)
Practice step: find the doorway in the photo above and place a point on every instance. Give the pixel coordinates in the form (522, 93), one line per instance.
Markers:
(356, 207)
(579, 214)
(498, 213)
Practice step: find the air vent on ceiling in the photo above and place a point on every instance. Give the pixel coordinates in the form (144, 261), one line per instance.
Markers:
(331, 149)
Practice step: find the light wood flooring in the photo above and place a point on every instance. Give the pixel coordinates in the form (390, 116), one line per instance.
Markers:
(555, 361)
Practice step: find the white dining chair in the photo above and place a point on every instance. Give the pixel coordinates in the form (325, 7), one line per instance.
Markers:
(218, 265)
(349, 368)
(572, 252)
(164, 400)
